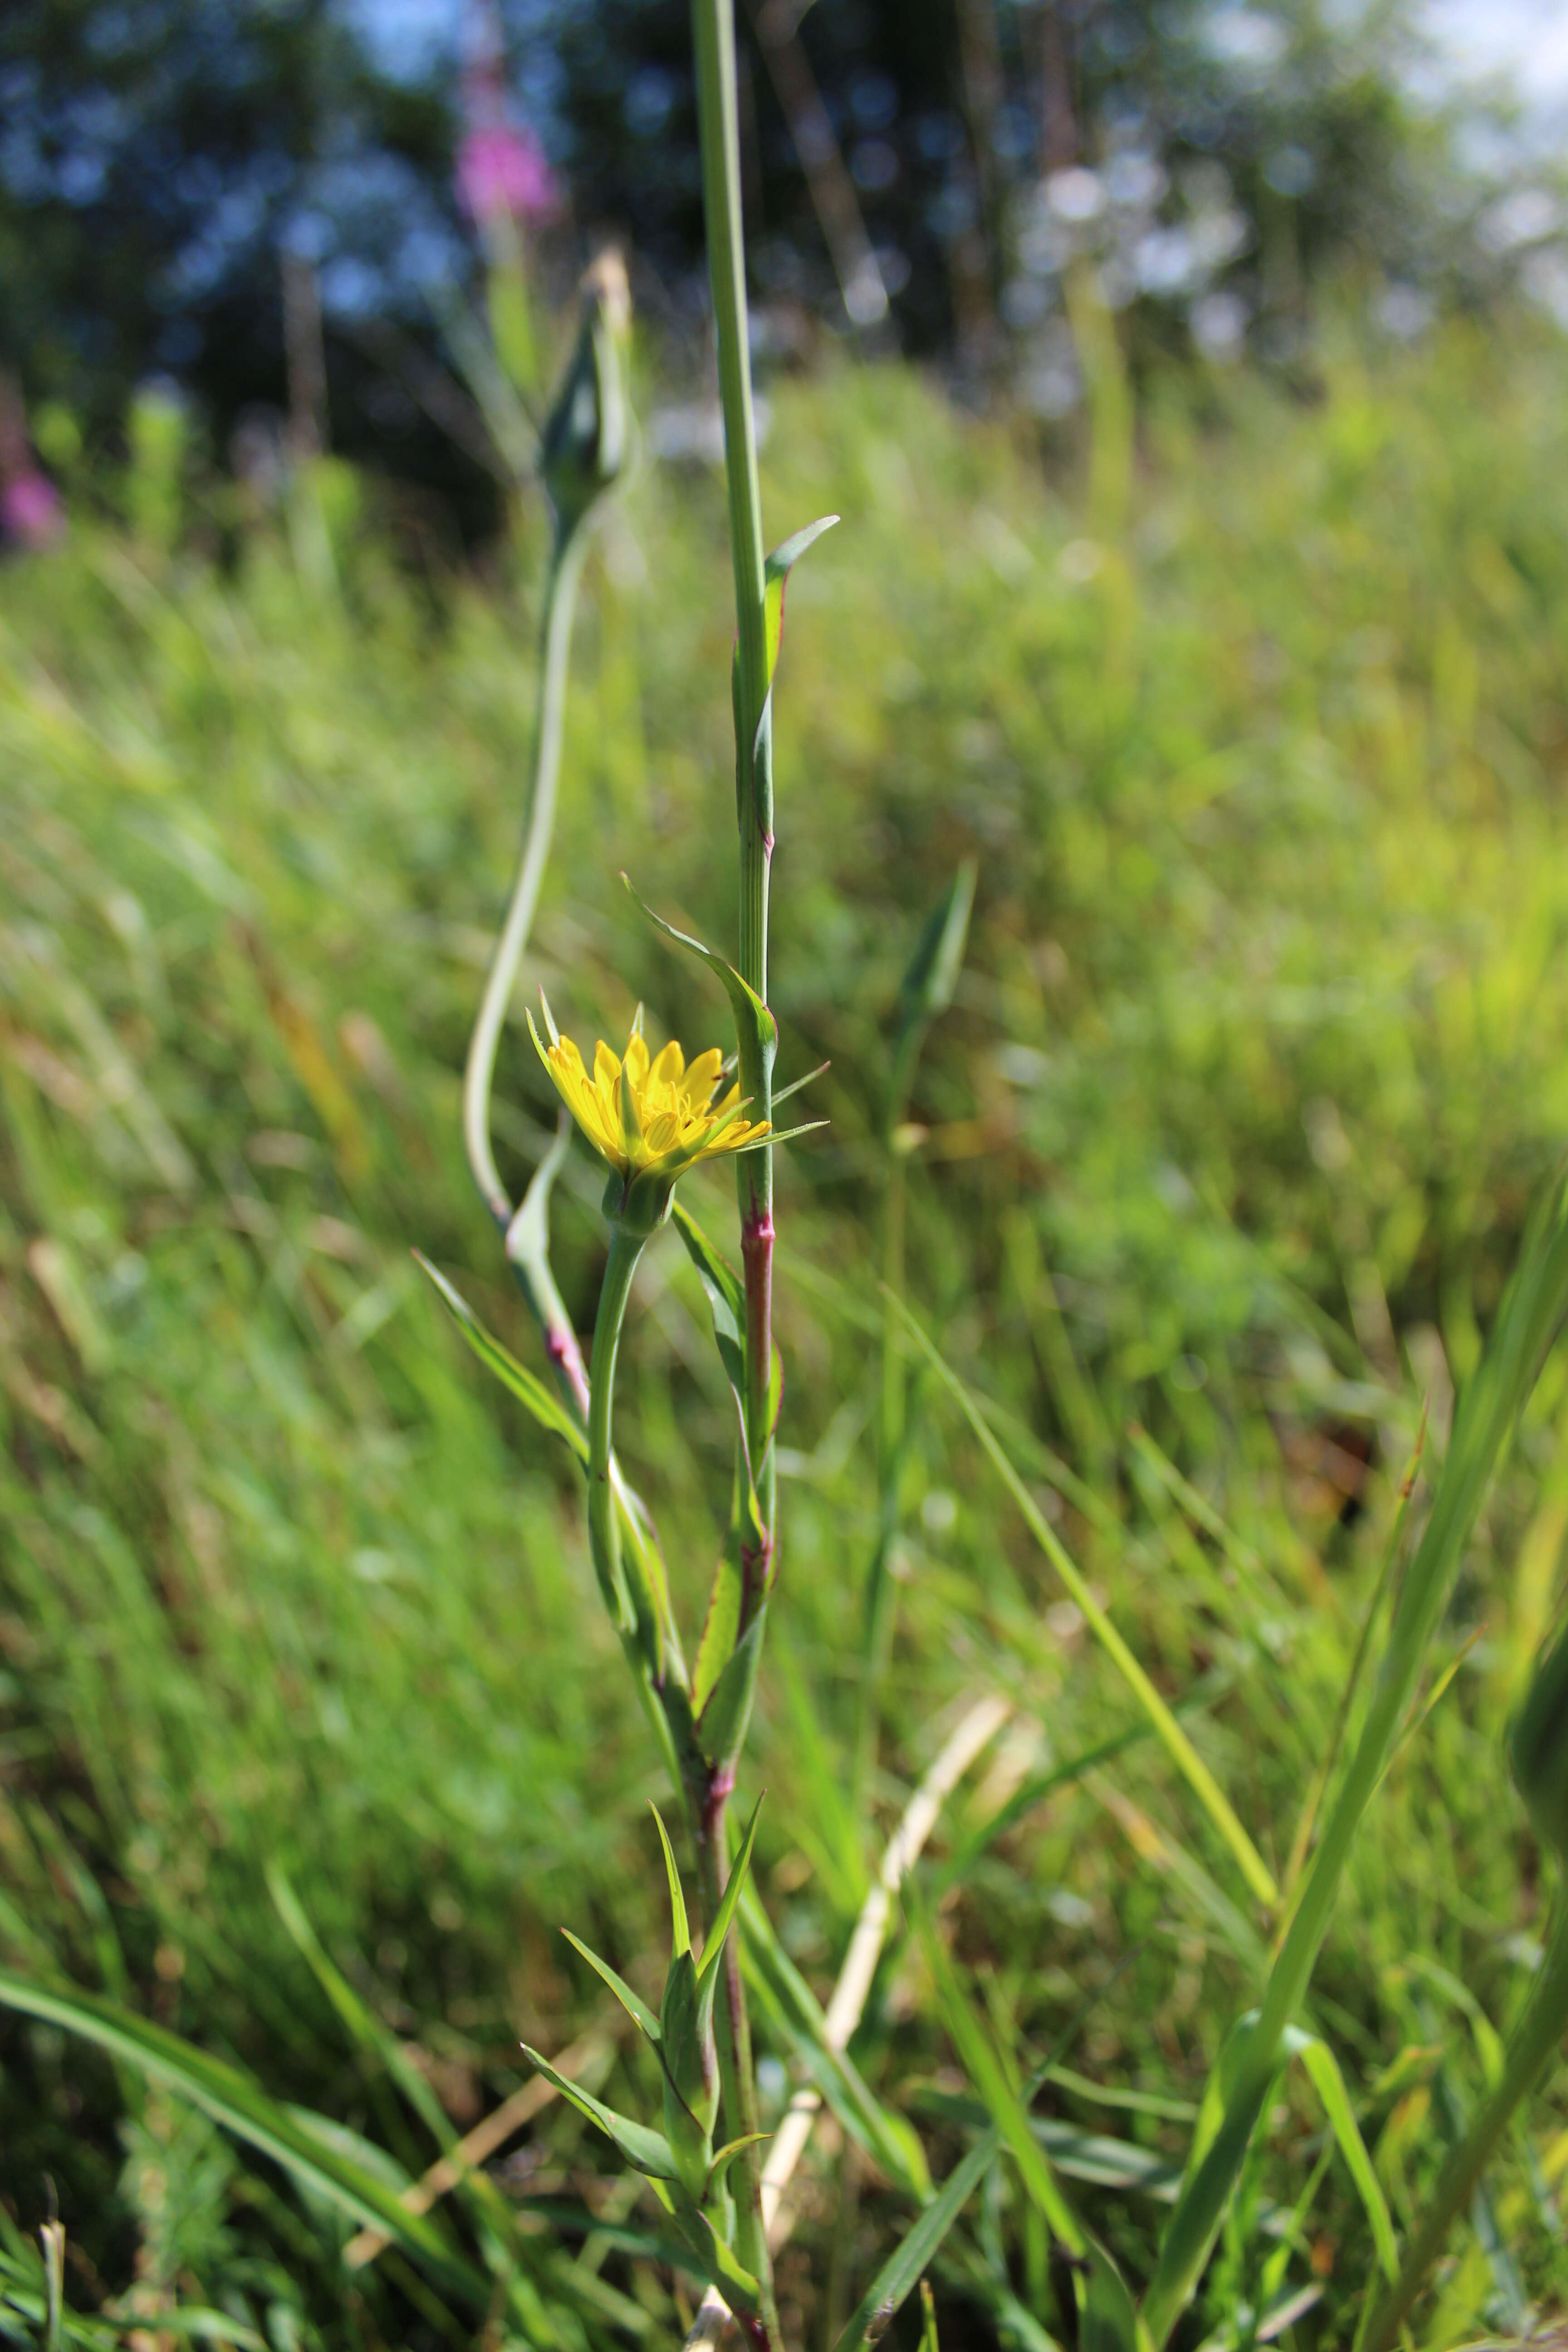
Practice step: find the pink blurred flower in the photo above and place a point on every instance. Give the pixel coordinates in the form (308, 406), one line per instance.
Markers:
(30, 507)
(502, 171)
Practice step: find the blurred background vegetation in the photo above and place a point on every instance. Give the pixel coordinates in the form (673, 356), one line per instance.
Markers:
(1205, 576)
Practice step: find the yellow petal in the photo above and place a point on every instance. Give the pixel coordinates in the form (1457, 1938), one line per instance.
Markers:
(635, 1063)
(666, 1065)
(699, 1080)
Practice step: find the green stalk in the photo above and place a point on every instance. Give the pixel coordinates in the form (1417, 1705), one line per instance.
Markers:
(713, 30)
(478, 1075)
(1530, 1313)
(604, 1522)
(713, 25)
(1530, 2050)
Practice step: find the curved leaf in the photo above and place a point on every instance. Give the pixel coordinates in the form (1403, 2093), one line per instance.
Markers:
(526, 1386)
(646, 2151)
(755, 1023)
(239, 2104)
(636, 2008)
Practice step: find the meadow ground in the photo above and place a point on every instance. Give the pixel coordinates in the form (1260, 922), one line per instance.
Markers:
(1256, 1062)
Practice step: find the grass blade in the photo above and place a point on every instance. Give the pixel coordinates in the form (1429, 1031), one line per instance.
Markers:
(1178, 1747)
(242, 2107)
(1323, 2069)
(900, 2274)
(986, 2071)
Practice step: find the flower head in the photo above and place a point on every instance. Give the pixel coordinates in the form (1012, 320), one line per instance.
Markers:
(649, 1117)
(30, 510)
(504, 172)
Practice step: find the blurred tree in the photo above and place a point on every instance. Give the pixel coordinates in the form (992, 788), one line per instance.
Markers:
(924, 171)
(159, 160)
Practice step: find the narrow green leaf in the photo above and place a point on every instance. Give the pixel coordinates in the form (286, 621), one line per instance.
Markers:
(1108, 2323)
(782, 1094)
(721, 1726)
(1179, 1747)
(237, 2103)
(526, 1386)
(633, 2003)
(985, 2070)
(723, 1623)
(794, 2015)
(900, 2273)
(725, 1293)
(714, 1947)
(929, 2338)
(1322, 2067)
(932, 974)
(1092, 2157)
(788, 1135)
(362, 2024)
(754, 1021)
(680, 1933)
(646, 2151)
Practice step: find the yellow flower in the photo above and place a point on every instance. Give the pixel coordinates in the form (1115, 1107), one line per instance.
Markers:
(648, 1116)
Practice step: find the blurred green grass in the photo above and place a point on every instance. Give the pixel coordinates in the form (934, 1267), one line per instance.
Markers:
(1254, 1065)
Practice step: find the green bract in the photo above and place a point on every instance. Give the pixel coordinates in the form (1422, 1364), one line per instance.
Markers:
(682, 2034)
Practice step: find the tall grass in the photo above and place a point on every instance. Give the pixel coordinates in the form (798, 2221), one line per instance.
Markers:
(1229, 1133)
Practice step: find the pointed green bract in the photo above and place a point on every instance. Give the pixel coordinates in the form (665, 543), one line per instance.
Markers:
(723, 1623)
(690, 2072)
(725, 1914)
(647, 2152)
(721, 2267)
(754, 1024)
(776, 574)
(633, 2003)
(726, 1296)
(680, 1932)
(724, 2157)
(782, 1094)
(721, 1726)
(786, 1135)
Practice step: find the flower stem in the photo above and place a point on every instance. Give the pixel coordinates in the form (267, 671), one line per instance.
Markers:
(737, 2077)
(1530, 2049)
(478, 1075)
(713, 30)
(603, 1523)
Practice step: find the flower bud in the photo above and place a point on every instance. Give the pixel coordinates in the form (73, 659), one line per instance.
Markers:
(587, 436)
(1539, 1749)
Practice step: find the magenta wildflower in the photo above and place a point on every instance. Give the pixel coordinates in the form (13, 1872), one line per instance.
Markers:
(503, 172)
(30, 507)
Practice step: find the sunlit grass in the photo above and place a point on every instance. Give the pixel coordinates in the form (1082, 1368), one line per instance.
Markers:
(1254, 1065)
